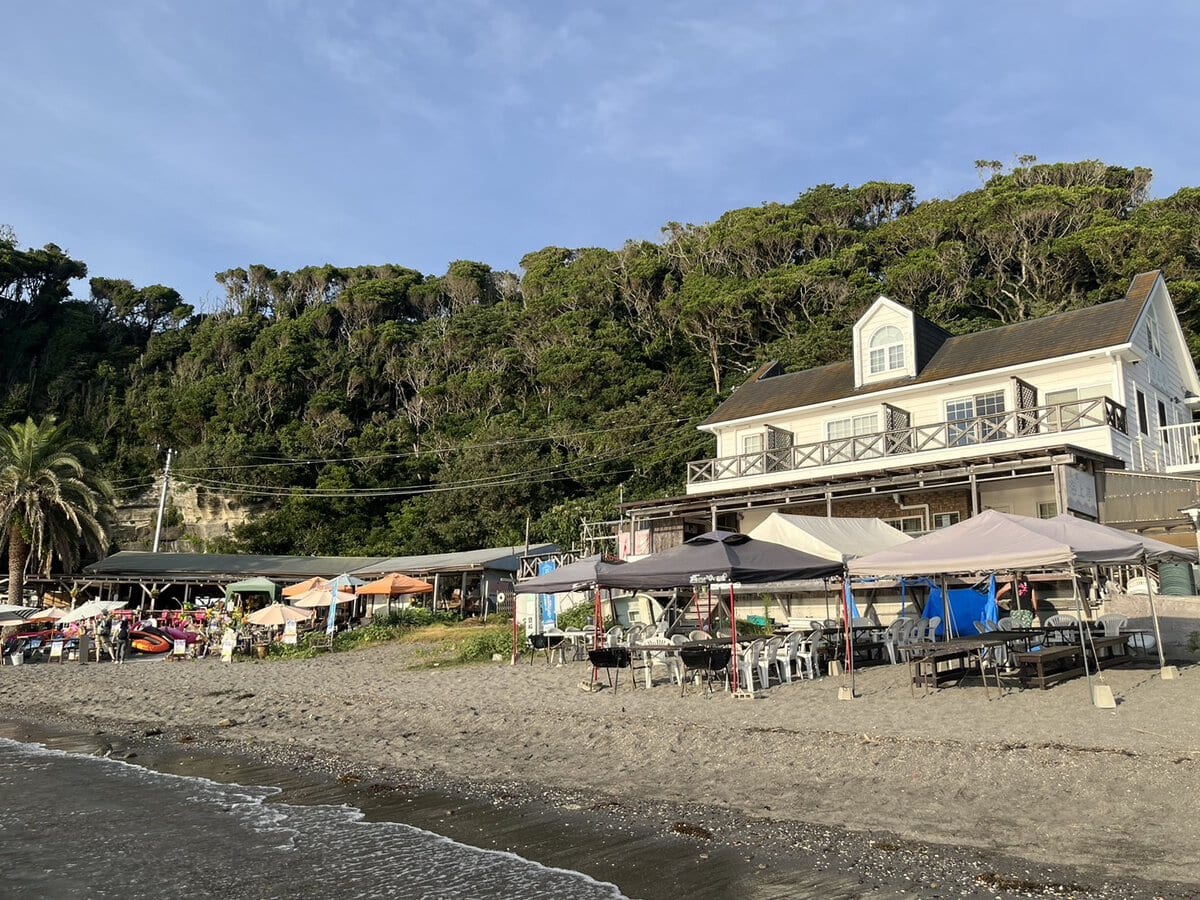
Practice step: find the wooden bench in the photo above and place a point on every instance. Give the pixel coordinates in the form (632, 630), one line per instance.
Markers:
(935, 665)
(1049, 665)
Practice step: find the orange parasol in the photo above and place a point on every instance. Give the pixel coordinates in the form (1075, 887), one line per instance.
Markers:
(396, 584)
(297, 590)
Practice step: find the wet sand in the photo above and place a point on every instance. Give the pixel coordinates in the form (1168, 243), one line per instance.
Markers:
(1034, 793)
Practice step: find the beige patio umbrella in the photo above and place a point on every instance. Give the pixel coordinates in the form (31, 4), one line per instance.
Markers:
(321, 597)
(279, 614)
(303, 587)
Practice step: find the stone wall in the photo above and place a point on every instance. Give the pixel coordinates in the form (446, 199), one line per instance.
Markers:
(1178, 617)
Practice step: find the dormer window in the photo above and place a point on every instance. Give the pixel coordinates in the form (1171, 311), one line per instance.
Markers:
(886, 350)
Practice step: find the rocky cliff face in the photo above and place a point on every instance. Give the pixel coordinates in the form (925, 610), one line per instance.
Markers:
(194, 517)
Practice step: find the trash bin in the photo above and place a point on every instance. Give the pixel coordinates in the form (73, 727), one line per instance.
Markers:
(260, 651)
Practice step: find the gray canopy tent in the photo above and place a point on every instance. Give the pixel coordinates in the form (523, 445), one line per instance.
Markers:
(995, 541)
(724, 558)
(583, 573)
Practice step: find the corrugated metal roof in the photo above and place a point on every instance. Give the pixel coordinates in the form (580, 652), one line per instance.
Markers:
(504, 559)
(1076, 331)
(225, 565)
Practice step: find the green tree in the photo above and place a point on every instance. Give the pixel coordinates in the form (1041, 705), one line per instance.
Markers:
(52, 501)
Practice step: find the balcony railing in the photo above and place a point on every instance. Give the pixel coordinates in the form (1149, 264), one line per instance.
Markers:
(1180, 447)
(1059, 417)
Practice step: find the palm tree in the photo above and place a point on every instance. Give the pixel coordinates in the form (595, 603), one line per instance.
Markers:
(51, 501)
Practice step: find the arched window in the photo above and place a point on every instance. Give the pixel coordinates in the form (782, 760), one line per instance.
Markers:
(887, 350)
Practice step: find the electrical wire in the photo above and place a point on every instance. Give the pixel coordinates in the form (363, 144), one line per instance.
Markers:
(555, 472)
(485, 481)
(287, 461)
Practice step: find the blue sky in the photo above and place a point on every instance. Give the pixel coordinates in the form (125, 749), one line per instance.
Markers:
(165, 141)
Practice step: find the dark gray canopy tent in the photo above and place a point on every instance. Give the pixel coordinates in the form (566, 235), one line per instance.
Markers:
(720, 557)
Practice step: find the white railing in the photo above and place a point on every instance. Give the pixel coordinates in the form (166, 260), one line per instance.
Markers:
(1180, 446)
(1059, 417)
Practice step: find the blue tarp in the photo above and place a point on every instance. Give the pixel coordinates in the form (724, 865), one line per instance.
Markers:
(851, 606)
(966, 605)
(991, 611)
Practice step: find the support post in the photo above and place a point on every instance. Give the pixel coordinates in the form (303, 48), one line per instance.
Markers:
(1167, 672)
(162, 501)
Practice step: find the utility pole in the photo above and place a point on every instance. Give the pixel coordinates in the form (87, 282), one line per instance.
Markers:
(162, 500)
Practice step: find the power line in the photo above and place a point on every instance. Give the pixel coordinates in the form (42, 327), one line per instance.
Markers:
(506, 442)
(552, 473)
(485, 481)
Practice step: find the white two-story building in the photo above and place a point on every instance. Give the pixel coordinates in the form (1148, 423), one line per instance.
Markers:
(923, 428)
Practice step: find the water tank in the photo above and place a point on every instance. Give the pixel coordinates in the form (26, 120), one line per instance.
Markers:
(1176, 580)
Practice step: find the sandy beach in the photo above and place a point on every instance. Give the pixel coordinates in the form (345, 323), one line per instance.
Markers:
(1031, 793)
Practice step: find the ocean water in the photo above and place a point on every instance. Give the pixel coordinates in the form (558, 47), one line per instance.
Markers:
(81, 826)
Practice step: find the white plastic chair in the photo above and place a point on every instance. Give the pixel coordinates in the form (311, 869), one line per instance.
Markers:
(808, 653)
(785, 658)
(891, 638)
(1005, 623)
(913, 639)
(748, 671)
(931, 627)
(1113, 623)
(1069, 629)
(697, 635)
(768, 659)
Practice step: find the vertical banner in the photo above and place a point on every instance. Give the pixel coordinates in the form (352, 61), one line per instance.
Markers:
(547, 607)
(289, 632)
(333, 598)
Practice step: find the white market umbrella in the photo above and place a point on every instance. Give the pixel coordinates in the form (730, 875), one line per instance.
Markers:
(90, 610)
(279, 614)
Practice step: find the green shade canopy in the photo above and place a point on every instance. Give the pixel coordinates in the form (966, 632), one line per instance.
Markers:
(253, 586)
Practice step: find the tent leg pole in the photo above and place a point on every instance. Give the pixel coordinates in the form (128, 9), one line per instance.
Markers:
(1162, 659)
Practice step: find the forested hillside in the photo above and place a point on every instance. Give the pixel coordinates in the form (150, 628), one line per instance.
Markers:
(382, 410)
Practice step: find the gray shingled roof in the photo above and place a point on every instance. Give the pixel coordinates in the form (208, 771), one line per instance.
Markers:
(1076, 331)
(225, 565)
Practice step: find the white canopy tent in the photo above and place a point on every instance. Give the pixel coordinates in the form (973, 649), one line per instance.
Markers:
(830, 538)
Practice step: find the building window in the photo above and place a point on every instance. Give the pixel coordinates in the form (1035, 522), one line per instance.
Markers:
(974, 419)
(753, 461)
(1143, 424)
(1152, 336)
(907, 524)
(886, 350)
(1162, 414)
(852, 426)
(845, 431)
(1047, 509)
(945, 520)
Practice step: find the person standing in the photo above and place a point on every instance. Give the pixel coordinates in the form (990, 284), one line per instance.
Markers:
(122, 640)
(83, 648)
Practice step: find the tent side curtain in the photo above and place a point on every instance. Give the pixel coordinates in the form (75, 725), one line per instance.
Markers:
(253, 586)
